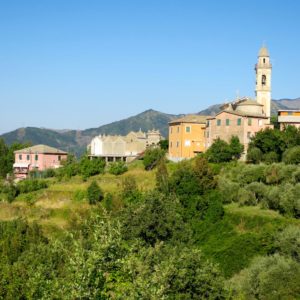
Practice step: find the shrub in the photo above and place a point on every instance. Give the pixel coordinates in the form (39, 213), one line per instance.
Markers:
(273, 277)
(287, 242)
(246, 197)
(228, 189)
(118, 168)
(94, 193)
(250, 173)
(79, 195)
(270, 157)
(258, 189)
(91, 167)
(292, 155)
(31, 185)
(254, 155)
(236, 147)
(49, 173)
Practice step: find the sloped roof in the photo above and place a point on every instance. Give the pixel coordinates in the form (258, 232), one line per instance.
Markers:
(240, 113)
(41, 149)
(249, 102)
(190, 119)
(263, 52)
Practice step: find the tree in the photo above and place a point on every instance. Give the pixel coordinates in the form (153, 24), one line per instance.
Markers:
(157, 219)
(130, 192)
(152, 156)
(292, 155)
(94, 193)
(162, 177)
(254, 155)
(219, 152)
(164, 144)
(236, 147)
(91, 167)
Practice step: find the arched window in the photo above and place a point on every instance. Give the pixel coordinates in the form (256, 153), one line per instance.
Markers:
(263, 79)
(264, 60)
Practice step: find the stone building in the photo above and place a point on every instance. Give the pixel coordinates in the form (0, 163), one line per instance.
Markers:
(123, 148)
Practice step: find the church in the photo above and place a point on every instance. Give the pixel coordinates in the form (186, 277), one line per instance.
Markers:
(244, 116)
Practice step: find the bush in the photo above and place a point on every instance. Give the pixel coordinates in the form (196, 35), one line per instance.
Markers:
(94, 193)
(291, 156)
(288, 242)
(246, 197)
(270, 157)
(91, 167)
(274, 277)
(130, 192)
(118, 168)
(31, 185)
(250, 173)
(254, 155)
(228, 189)
(152, 156)
(258, 189)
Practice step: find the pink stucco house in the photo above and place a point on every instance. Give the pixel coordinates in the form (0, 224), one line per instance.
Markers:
(39, 158)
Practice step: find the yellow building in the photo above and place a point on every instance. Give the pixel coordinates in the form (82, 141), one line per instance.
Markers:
(186, 137)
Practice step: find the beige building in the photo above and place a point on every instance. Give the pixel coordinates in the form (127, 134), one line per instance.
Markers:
(242, 118)
(124, 148)
(186, 137)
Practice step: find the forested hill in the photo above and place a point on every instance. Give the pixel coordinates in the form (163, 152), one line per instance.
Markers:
(76, 140)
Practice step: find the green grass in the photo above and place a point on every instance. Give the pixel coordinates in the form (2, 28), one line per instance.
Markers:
(56, 205)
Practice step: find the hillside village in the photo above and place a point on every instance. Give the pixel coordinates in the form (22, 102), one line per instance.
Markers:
(188, 136)
(212, 212)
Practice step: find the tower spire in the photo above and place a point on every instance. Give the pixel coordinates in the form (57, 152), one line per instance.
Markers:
(263, 70)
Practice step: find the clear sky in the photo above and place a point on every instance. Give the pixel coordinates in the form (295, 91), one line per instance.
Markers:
(76, 64)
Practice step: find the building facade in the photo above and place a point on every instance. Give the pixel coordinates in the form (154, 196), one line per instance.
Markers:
(242, 118)
(37, 158)
(123, 148)
(186, 137)
(289, 117)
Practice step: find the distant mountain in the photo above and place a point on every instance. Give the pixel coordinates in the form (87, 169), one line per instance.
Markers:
(76, 140)
(275, 106)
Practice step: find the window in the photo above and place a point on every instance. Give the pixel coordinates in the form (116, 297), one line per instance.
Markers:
(171, 144)
(249, 121)
(177, 144)
(36, 157)
(187, 143)
(188, 129)
(227, 122)
(248, 135)
(207, 134)
(20, 156)
(28, 157)
(263, 79)
(239, 121)
(207, 123)
(259, 122)
(170, 129)
(178, 129)
(59, 158)
(264, 60)
(218, 122)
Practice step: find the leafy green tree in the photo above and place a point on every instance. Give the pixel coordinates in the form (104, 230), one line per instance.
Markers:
(164, 144)
(162, 177)
(291, 155)
(157, 219)
(219, 152)
(236, 147)
(3, 158)
(273, 277)
(91, 167)
(254, 155)
(288, 242)
(129, 189)
(268, 140)
(94, 193)
(152, 156)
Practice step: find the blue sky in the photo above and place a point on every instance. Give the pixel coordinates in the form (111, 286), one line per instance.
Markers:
(78, 64)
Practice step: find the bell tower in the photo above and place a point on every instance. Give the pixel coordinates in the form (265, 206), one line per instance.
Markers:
(263, 70)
